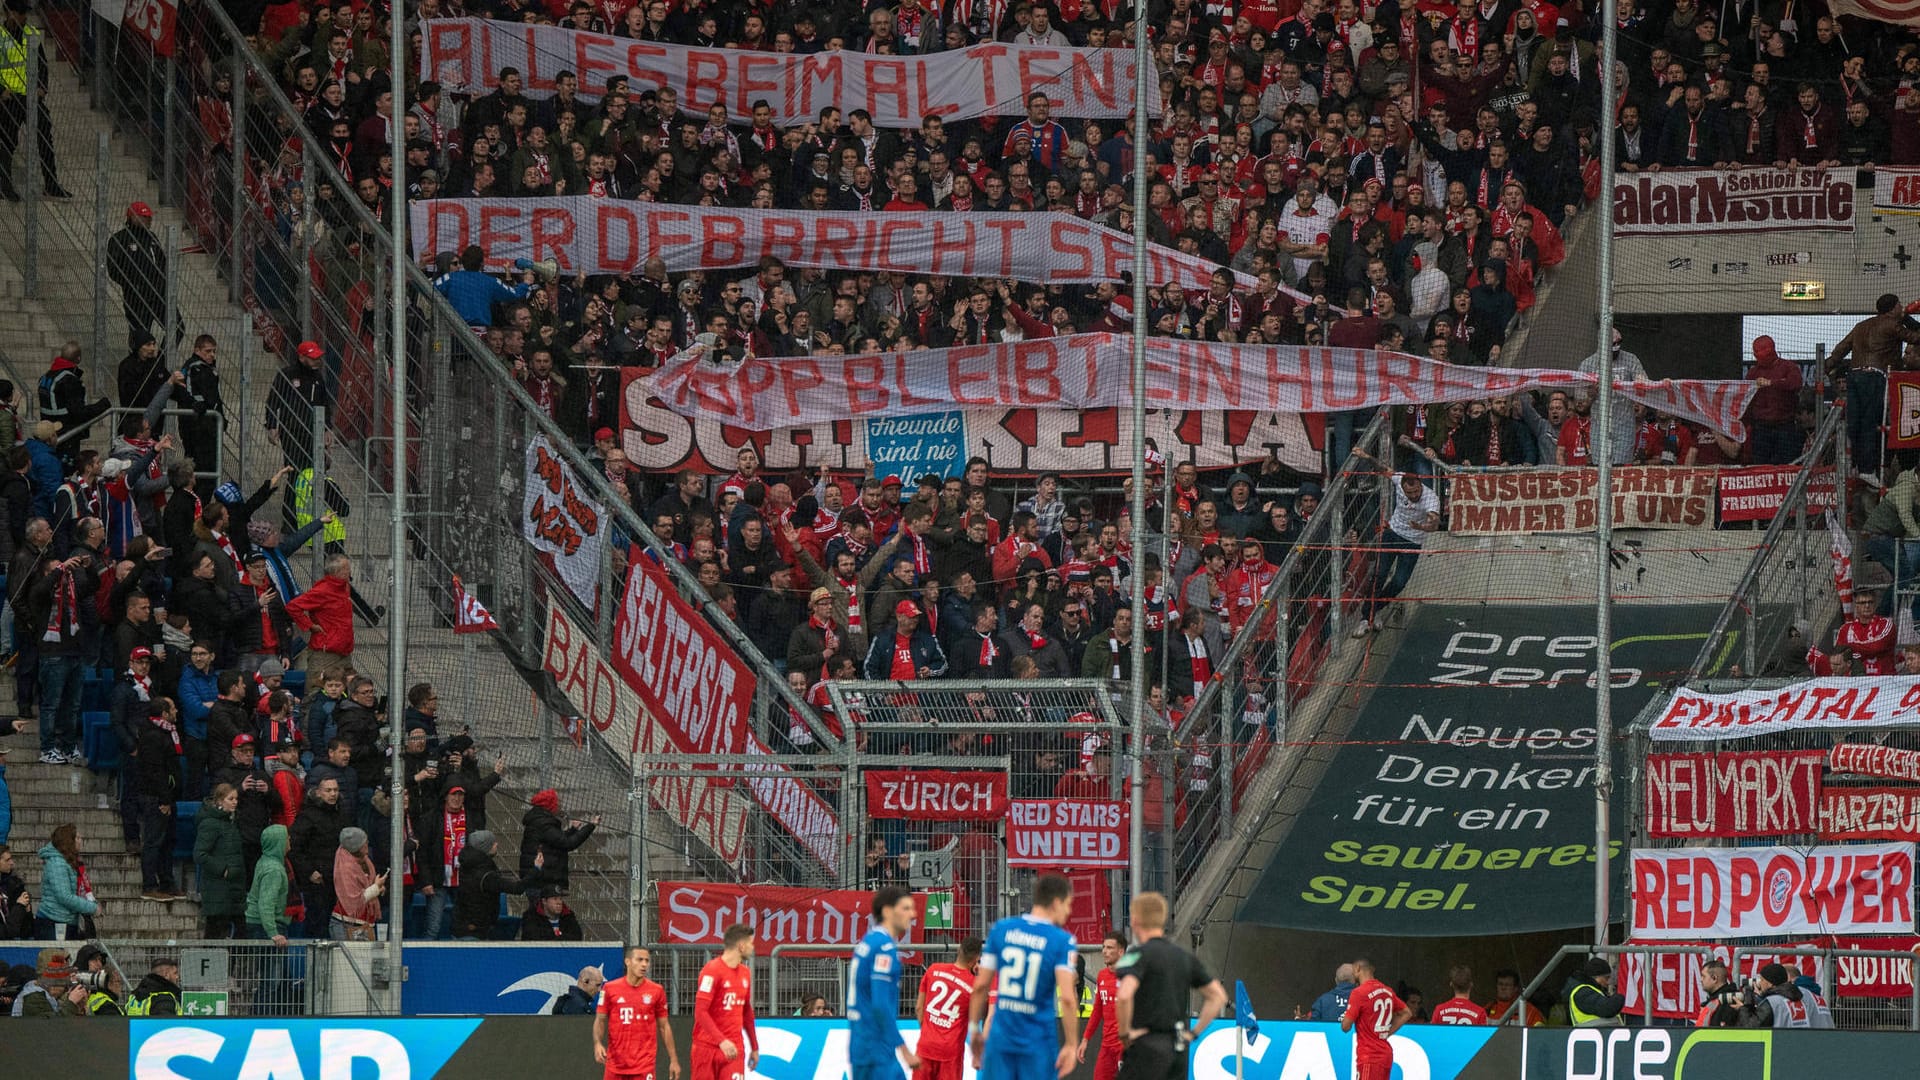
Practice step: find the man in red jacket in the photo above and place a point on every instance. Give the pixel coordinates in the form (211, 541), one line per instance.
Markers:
(325, 614)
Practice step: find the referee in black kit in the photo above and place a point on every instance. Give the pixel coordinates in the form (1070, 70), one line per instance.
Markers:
(1157, 981)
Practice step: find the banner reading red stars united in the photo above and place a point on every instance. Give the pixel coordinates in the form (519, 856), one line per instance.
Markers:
(466, 56)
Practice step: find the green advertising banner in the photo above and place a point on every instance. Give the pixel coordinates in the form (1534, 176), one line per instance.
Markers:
(1461, 803)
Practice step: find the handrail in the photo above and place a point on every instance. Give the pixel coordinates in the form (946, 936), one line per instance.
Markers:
(1796, 494)
(631, 525)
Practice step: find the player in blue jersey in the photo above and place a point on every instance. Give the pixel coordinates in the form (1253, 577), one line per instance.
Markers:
(1028, 964)
(873, 992)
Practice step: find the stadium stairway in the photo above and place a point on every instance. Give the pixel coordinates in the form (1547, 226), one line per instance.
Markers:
(482, 685)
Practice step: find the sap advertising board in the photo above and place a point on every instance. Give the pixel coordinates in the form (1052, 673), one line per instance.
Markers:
(350, 1049)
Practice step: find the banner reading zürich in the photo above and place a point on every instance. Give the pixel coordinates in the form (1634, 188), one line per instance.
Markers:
(1461, 802)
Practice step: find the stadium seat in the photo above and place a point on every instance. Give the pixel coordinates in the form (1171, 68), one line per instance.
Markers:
(99, 742)
(93, 693)
(185, 828)
(295, 683)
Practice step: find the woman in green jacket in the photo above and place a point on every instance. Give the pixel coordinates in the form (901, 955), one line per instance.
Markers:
(223, 869)
(267, 919)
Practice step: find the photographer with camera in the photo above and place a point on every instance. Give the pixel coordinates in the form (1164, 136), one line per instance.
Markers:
(1721, 1007)
(1773, 1000)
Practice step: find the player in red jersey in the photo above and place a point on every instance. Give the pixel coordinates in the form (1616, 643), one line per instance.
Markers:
(1106, 990)
(630, 1025)
(724, 1044)
(1379, 1012)
(1460, 1008)
(942, 1009)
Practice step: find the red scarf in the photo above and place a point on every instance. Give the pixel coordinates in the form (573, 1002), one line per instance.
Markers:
(170, 728)
(922, 556)
(1466, 39)
(453, 840)
(1038, 641)
(852, 585)
(989, 652)
(1202, 663)
(141, 685)
(828, 638)
(64, 623)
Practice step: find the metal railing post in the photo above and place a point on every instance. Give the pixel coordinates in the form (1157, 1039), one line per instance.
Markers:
(30, 178)
(170, 288)
(237, 158)
(1223, 763)
(166, 132)
(309, 184)
(317, 490)
(246, 394)
(102, 230)
(1336, 563)
(547, 720)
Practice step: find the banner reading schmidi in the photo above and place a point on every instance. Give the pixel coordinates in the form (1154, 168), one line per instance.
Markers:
(466, 56)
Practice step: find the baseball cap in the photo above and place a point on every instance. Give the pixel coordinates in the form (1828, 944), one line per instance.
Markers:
(311, 350)
(602, 433)
(890, 481)
(461, 788)
(140, 652)
(140, 209)
(906, 607)
(243, 739)
(819, 594)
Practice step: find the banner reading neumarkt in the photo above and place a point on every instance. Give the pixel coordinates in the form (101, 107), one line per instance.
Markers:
(466, 56)
(1461, 803)
(1713, 201)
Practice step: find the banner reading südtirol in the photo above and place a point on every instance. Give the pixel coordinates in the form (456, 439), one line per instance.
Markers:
(1461, 802)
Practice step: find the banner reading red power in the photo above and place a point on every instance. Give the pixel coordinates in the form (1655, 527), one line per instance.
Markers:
(1682, 894)
(1054, 834)
(937, 794)
(684, 672)
(698, 913)
(1757, 794)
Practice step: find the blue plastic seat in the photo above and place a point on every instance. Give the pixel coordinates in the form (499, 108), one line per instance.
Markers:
(99, 742)
(185, 828)
(295, 683)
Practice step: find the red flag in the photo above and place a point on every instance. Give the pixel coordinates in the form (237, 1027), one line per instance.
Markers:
(469, 615)
(1841, 548)
(1901, 12)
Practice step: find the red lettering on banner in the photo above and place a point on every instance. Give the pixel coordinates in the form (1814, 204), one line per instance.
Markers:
(451, 216)
(530, 74)
(1862, 888)
(1006, 225)
(988, 56)
(961, 244)
(923, 106)
(638, 71)
(1102, 85)
(491, 233)
(866, 389)
(960, 375)
(824, 71)
(783, 238)
(1116, 254)
(447, 41)
(720, 240)
(707, 69)
(1751, 794)
(698, 913)
(750, 85)
(589, 58)
(835, 241)
(1036, 374)
(883, 257)
(886, 79)
(551, 232)
(1069, 237)
(937, 794)
(797, 379)
(617, 223)
(660, 231)
(1032, 80)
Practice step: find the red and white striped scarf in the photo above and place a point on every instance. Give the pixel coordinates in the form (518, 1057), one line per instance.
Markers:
(64, 622)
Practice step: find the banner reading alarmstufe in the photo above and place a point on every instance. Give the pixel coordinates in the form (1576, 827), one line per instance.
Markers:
(615, 236)
(1085, 371)
(466, 56)
(1694, 201)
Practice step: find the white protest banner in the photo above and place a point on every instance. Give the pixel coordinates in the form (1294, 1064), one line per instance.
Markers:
(1054, 834)
(1084, 371)
(1861, 813)
(1693, 201)
(1014, 441)
(1563, 500)
(562, 520)
(466, 56)
(1868, 759)
(696, 802)
(1677, 993)
(683, 670)
(1682, 894)
(1831, 704)
(614, 236)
